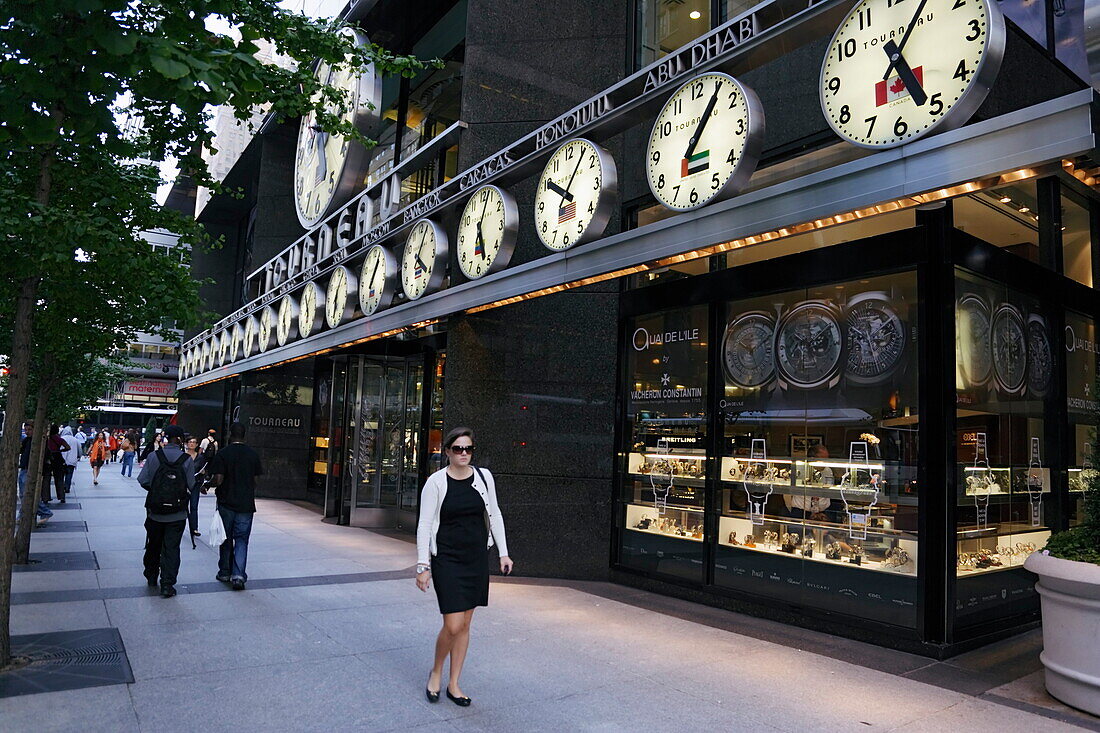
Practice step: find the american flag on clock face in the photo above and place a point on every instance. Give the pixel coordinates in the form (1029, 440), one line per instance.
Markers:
(567, 212)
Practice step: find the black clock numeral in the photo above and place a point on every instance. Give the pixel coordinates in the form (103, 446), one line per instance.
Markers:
(834, 85)
(666, 129)
(542, 206)
(729, 158)
(870, 124)
(740, 126)
(557, 164)
(693, 196)
(500, 225)
(677, 192)
(975, 30)
(677, 106)
(569, 152)
(592, 161)
(900, 127)
(565, 240)
(845, 115)
(591, 207)
(697, 90)
(500, 206)
(961, 72)
(580, 228)
(661, 181)
(847, 49)
(655, 156)
(864, 18)
(714, 182)
(935, 104)
(733, 99)
(544, 226)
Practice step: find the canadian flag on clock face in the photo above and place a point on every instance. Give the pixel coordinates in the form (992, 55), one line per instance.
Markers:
(893, 89)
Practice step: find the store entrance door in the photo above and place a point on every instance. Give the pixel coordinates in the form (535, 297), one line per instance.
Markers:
(381, 413)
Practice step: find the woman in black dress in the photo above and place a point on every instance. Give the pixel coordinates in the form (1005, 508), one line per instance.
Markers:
(459, 521)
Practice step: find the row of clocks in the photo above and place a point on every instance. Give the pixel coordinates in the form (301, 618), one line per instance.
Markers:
(815, 343)
(1001, 346)
(894, 71)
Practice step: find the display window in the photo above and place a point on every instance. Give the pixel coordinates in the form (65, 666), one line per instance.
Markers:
(818, 495)
(665, 464)
(1082, 403)
(1004, 372)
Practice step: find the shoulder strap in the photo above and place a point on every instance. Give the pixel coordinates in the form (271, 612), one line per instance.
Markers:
(482, 476)
(161, 457)
(180, 461)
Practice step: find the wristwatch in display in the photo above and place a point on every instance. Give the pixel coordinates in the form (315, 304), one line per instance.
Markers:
(973, 352)
(809, 345)
(748, 349)
(1010, 346)
(1039, 356)
(875, 338)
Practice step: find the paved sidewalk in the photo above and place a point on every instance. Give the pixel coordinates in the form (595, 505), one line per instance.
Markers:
(332, 634)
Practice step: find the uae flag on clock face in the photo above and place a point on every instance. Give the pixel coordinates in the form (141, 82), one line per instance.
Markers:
(893, 89)
(695, 164)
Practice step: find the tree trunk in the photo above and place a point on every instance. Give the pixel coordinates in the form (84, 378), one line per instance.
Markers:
(35, 477)
(9, 449)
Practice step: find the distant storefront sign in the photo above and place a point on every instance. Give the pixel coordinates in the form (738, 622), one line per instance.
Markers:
(149, 387)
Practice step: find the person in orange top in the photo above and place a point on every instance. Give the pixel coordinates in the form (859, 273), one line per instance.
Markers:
(112, 442)
(97, 455)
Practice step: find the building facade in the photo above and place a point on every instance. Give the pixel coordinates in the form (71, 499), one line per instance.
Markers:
(756, 304)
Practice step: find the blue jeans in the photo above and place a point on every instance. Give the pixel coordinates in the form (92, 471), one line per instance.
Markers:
(43, 508)
(233, 553)
(69, 471)
(128, 463)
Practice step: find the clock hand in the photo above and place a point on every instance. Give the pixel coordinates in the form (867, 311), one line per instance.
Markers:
(916, 91)
(580, 159)
(703, 121)
(480, 236)
(420, 261)
(319, 149)
(904, 39)
(375, 270)
(558, 189)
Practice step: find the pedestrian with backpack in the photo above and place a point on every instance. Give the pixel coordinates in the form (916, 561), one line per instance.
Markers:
(169, 477)
(233, 471)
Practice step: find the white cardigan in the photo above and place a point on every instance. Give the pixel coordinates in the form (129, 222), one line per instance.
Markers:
(431, 501)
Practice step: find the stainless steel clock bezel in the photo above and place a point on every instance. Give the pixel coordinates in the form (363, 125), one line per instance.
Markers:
(887, 305)
(248, 345)
(351, 293)
(223, 347)
(1008, 311)
(972, 97)
(263, 344)
(291, 303)
(609, 186)
(439, 262)
(364, 117)
(235, 342)
(389, 280)
(832, 377)
(314, 321)
(508, 236)
(750, 156)
(732, 327)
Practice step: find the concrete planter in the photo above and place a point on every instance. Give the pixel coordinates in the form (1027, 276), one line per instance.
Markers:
(1070, 593)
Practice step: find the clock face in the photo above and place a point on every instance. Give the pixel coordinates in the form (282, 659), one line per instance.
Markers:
(487, 232)
(266, 330)
(185, 363)
(1009, 349)
(809, 346)
(705, 143)
(340, 296)
(424, 261)
(251, 329)
(574, 196)
(1040, 358)
(286, 326)
(748, 350)
(377, 280)
(235, 342)
(209, 352)
(876, 338)
(972, 350)
(311, 309)
(896, 71)
(327, 168)
(223, 348)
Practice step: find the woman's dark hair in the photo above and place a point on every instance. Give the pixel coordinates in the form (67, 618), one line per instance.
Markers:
(455, 435)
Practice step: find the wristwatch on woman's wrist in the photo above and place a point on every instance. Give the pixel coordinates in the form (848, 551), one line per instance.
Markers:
(421, 568)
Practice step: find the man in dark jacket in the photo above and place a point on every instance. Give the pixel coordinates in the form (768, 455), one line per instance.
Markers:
(163, 532)
(233, 470)
(44, 512)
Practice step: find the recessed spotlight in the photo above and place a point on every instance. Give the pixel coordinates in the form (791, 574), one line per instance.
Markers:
(695, 15)
(1006, 200)
(1024, 209)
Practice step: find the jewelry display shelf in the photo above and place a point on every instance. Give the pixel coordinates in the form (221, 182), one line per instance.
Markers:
(909, 568)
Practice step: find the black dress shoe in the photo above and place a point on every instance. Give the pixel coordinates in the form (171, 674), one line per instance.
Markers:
(432, 696)
(460, 701)
(151, 581)
(167, 591)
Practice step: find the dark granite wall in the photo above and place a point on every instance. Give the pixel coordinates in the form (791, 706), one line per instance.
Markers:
(276, 405)
(276, 224)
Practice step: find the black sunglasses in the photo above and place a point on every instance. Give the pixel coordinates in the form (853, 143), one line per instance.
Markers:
(462, 448)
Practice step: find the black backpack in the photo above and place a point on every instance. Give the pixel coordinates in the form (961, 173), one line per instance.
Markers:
(168, 492)
(211, 449)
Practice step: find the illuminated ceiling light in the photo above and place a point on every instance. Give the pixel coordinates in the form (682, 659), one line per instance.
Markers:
(1006, 200)
(1024, 209)
(695, 15)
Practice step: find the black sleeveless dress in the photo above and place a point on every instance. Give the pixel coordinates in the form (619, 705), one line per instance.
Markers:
(460, 568)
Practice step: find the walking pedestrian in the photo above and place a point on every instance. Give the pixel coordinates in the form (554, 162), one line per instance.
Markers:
(72, 456)
(53, 465)
(129, 452)
(191, 445)
(113, 444)
(150, 446)
(459, 521)
(43, 510)
(97, 456)
(169, 477)
(209, 445)
(233, 470)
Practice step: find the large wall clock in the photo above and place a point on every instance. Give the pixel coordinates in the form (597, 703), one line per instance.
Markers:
(328, 168)
(266, 332)
(705, 143)
(809, 346)
(210, 353)
(311, 309)
(487, 232)
(340, 296)
(896, 71)
(377, 280)
(876, 338)
(286, 323)
(973, 357)
(748, 350)
(1009, 345)
(574, 197)
(424, 262)
(235, 342)
(251, 329)
(223, 347)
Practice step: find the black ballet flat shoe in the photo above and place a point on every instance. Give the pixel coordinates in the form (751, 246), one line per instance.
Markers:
(432, 696)
(463, 702)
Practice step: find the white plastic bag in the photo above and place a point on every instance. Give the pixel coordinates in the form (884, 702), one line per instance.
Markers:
(217, 531)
